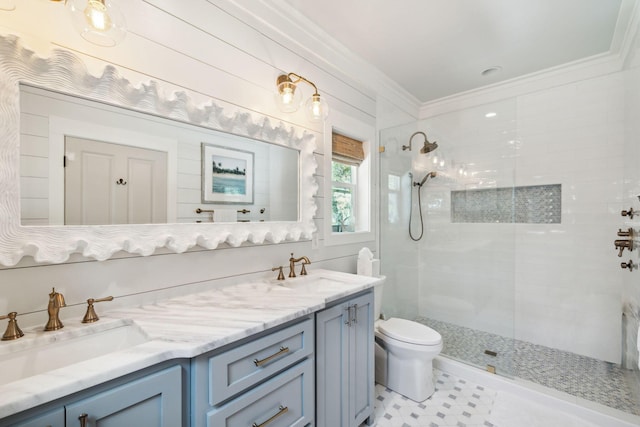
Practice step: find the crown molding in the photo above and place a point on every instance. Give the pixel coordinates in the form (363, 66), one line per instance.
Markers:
(595, 66)
(557, 76)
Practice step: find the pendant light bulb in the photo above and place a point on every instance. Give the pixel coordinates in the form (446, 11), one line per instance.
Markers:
(97, 15)
(98, 21)
(316, 108)
(288, 96)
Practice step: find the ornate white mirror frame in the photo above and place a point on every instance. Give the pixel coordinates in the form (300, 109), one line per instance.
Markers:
(65, 72)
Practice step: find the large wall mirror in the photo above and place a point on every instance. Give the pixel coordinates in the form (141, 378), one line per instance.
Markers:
(97, 164)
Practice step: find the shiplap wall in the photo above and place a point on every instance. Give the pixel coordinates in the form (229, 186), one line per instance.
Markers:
(231, 51)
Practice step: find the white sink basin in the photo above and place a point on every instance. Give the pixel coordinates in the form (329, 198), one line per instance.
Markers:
(41, 352)
(314, 284)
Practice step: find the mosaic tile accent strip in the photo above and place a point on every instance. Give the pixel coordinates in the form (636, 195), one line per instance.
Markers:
(581, 376)
(455, 403)
(537, 204)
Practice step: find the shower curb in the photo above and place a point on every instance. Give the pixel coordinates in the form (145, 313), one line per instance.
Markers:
(593, 412)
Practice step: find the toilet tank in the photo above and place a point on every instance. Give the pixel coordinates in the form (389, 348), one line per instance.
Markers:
(377, 298)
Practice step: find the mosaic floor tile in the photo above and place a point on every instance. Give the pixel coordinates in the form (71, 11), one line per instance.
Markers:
(581, 376)
(455, 403)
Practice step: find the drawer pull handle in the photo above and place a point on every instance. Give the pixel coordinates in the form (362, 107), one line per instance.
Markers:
(282, 351)
(281, 411)
(83, 420)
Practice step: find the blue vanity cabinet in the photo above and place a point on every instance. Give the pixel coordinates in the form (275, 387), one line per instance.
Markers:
(151, 401)
(345, 363)
(266, 378)
(52, 418)
(152, 397)
(284, 401)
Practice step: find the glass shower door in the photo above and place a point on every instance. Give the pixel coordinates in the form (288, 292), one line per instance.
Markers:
(459, 277)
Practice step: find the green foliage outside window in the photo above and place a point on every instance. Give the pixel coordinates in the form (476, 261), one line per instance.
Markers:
(341, 172)
(342, 197)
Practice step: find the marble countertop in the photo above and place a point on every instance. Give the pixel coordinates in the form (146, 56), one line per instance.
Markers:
(182, 327)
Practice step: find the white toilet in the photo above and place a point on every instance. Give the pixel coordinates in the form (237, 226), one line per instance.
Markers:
(404, 353)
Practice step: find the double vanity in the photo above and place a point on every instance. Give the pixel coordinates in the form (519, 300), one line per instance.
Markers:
(291, 352)
(265, 353)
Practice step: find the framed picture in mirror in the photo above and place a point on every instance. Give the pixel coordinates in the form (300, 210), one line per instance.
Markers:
(227, 175)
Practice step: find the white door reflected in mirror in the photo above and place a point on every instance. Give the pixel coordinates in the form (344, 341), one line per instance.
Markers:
(108, 183)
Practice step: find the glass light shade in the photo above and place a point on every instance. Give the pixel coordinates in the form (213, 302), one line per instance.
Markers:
(98, 21)
(288, 97)
(316, 108)
(7, 5)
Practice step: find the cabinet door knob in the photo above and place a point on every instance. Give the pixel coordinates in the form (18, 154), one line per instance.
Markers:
(83, 420)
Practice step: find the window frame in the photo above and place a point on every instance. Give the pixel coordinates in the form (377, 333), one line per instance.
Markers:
(365, 195)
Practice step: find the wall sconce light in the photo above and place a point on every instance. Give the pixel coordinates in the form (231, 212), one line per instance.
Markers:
(98, 21)
(288, 97)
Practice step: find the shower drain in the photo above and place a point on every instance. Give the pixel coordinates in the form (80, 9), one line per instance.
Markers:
(491, 353)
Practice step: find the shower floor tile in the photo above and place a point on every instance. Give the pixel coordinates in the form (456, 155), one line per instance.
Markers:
(581, 376)
(456, 402)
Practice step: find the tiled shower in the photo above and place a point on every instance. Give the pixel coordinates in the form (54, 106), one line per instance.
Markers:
(517, 268)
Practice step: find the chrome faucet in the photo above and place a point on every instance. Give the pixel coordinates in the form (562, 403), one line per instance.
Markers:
(56, 301)
(292, 265)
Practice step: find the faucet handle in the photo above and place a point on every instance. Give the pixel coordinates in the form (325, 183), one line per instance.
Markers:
(303, 270)
(91, 316)
(280, 273)
(628, 265)
(13, 331)
(630, 213)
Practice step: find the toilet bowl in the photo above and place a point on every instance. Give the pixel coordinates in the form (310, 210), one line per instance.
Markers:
(404, 353)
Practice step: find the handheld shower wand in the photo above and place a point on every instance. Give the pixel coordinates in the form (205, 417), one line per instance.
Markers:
(419, 185)
(426, 148)
(427, 176)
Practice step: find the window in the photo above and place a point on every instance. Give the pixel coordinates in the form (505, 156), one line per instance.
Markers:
(349, 201)
(344, 195)
(346, 156)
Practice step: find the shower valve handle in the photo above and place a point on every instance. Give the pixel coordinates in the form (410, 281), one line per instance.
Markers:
(628, 265)
(630, 213)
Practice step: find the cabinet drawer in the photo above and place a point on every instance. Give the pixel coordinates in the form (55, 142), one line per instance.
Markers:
(54, 418)
(154, 400)
(235, 370)
(285, 400)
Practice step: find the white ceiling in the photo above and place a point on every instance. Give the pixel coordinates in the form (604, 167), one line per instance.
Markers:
(436, 48)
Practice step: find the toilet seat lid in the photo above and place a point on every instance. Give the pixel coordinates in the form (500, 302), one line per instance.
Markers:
(409, 332)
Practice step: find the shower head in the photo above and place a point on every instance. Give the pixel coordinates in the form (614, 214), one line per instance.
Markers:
(427, 176)
(426, 148)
